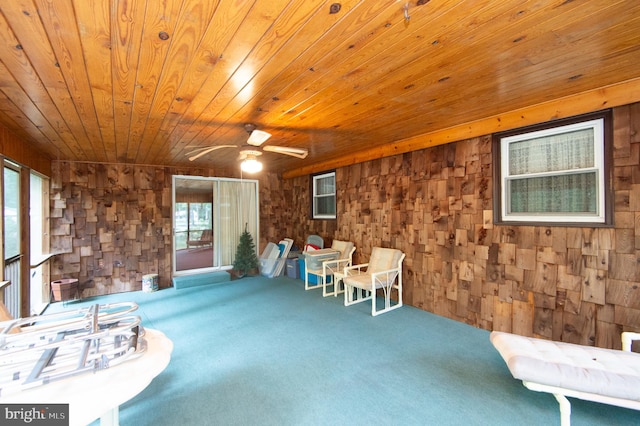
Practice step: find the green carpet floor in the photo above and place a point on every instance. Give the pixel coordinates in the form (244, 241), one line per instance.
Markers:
(261, 351)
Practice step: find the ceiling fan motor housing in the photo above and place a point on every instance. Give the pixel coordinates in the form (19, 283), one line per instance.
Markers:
(250, 151)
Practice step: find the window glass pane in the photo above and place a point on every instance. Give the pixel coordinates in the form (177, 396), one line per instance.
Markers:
(571, 193)
(325, 206)
(324, 196)
(325, 185)
(181, 212)
(11, 213)
(182, 225)
(36, 215)
(200, 216)
(564, 151)
(555, 173)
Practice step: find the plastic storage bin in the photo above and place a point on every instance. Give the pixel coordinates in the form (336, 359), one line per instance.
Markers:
(315, 258)
(293, 270)
(313, 279)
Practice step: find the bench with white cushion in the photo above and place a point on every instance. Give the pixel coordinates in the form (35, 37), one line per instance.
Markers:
(602, 375)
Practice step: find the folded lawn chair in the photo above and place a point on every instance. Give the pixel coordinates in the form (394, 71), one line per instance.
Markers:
(273, 258)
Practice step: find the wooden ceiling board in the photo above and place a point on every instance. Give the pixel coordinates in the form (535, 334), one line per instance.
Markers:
(307, 70)
(273, 71)
(146, 81)
(195, 17)
(239, 88)
(509, 90)
(412, 80)
(408, 83)
(53, 98)
(160, 18)
(192, 94)
(93, 21)
(27, 91)
(24, 127)
(317, 41)
(337, 78)
(58, 19)
(214, 92)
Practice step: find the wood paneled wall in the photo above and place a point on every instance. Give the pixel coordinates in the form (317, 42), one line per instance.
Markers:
(285, 212)
(15, 148)
(570, 284)
(112, 224)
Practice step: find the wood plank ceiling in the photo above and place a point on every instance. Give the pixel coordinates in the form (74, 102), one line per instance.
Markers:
(146, 81)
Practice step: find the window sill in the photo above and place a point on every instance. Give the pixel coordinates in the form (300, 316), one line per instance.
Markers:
(553, 224)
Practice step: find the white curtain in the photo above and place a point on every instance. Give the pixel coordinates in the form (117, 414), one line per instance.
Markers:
(569, 179)
(237, 201)
(554, 153)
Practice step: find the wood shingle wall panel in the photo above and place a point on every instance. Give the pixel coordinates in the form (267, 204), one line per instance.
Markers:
(112, 224)
(575, 284)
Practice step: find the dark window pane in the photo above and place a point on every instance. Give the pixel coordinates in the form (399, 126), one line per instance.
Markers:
(573, 193)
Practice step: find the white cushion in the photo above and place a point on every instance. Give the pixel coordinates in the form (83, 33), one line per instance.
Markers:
(382, 259)
(588, 369)
(344, 247)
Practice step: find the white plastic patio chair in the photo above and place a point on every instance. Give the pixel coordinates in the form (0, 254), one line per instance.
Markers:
(327, 274)
(384, 271)
(316, 241)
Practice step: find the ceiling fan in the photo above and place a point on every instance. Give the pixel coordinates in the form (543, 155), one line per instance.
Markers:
(253, 149)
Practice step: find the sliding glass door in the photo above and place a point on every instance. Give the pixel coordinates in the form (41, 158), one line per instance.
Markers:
(11, 238)
(193, 224)
(209, 214)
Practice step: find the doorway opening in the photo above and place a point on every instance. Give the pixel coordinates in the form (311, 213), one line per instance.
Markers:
(209, 215)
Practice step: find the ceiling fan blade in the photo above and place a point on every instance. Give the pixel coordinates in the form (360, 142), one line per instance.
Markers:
(258, 137)
(294, 152)
(195, 149)
(208, 150)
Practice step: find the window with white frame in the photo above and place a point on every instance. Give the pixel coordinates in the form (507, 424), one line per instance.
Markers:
(324, 196)
(554, 174)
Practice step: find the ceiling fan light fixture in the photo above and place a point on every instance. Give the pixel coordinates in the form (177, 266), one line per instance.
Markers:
(258, 137)
(251, 165)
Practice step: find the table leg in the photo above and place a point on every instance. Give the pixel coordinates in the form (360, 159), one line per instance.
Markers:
(110, 418)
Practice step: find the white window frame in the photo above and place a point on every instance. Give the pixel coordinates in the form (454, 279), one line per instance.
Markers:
(598, 126)
(316, 196)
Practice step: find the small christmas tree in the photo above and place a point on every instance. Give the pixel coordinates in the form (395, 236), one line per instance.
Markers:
(246, 258)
